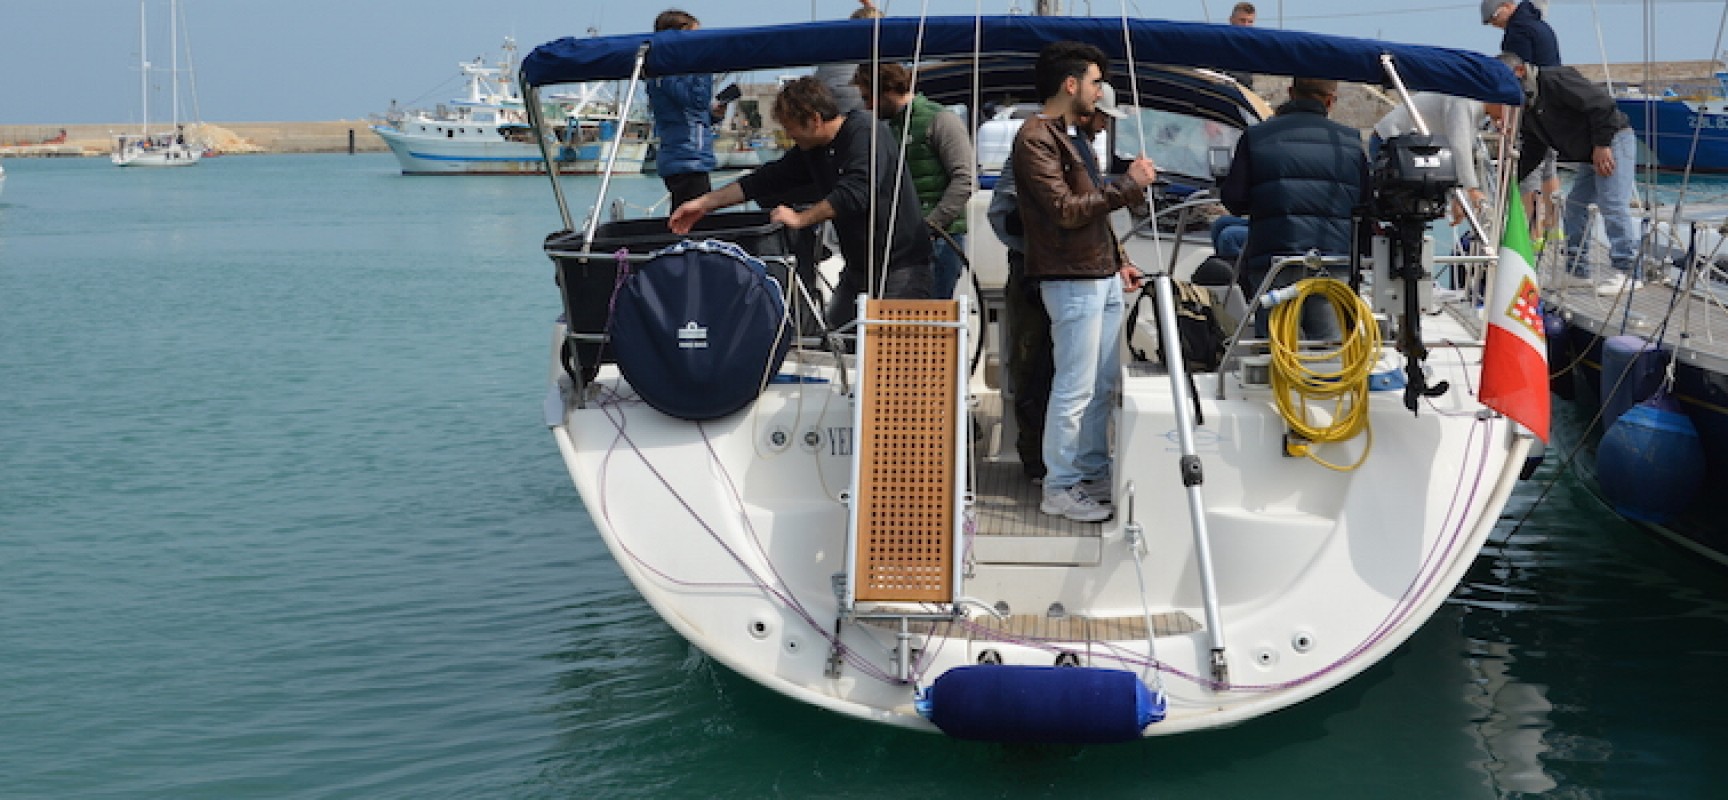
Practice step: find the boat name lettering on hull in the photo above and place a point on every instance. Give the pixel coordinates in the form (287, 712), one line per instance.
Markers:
(839, 441)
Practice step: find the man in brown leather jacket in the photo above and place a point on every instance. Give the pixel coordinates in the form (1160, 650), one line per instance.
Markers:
(1065, 203)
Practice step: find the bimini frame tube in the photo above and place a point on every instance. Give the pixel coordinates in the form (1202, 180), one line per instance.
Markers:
(531, 96)
(617, 142)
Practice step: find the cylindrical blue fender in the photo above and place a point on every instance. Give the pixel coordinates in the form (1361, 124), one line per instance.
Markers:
(1047, 705)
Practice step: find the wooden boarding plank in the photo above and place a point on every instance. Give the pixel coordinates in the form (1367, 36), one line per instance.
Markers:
(908, 388)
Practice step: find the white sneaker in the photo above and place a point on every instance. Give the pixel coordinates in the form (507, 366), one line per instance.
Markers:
(1075, 505)
(1615, 284)
(1099, 491)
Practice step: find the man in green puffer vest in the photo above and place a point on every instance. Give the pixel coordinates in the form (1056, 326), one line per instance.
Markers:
(938, 155)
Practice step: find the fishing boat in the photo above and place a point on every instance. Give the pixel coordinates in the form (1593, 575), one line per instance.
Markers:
(836, 517)
(1682, 126)
(163, 148)
(486, 131)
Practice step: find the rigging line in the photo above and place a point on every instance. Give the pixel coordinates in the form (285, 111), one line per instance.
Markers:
(1133, 79)
(1140, 123)
(785, 598)
(904, 138)
(873, 285)
(1692, 151)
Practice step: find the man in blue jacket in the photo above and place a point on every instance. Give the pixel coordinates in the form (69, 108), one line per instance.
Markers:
(1526, 33)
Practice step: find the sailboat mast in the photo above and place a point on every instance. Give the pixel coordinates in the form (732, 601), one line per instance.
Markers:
(144, 67)
(174, 60)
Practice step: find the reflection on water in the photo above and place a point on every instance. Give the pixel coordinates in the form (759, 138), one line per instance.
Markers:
(1589, 640)
(1512, 723)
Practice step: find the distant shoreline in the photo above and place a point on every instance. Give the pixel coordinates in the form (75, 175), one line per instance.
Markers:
(86, 140)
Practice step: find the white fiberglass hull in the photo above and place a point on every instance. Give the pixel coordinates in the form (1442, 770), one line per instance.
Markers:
(733, 531)
(171, 156)
(436, 155)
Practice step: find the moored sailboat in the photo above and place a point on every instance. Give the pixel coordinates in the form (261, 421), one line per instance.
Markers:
(849, 530)
(167, 148)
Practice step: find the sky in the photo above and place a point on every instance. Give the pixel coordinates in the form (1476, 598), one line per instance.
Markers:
(75, 61)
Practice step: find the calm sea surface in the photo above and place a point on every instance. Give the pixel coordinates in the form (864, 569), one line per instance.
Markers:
(279, 518)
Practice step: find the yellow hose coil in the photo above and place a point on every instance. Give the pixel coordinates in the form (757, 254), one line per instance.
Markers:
(1297, 384)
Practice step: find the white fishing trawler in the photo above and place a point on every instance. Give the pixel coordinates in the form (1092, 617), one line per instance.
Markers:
(841, 518)
(486, 131)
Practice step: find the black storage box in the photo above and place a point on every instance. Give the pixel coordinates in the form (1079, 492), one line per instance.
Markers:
(587, 281)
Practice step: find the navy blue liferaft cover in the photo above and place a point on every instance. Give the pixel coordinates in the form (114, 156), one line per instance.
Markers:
(1046, 705)
(699, 328)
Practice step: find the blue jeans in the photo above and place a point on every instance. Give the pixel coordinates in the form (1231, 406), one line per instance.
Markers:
(1319, 318)
(1229, 236)
(1612, 195)
(946, 264)
(1085, 319)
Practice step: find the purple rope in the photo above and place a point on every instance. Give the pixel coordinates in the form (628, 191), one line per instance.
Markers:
(857, 661)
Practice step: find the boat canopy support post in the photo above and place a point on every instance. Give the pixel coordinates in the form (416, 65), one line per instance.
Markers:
(531, 98)
(617, 140)
(1190, 470)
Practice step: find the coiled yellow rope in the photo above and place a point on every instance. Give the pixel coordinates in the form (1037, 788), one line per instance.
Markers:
(1296, 383)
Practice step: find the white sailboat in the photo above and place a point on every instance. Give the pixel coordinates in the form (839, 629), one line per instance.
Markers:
(167, 148)
(851, 530)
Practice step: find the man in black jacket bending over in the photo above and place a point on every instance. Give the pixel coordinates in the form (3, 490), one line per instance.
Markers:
(831, 167)
(1577, 119)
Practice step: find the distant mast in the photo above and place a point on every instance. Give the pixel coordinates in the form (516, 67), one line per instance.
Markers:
(144, 66)
(174, 61)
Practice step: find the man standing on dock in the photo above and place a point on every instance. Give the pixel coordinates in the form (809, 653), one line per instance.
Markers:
(1242, 15)
(1531, 38)
(1579, 121)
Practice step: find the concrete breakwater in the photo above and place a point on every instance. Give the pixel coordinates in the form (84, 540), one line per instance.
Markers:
(22, 141)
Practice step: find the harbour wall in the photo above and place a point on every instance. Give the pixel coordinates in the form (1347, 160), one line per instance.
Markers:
(22, 141)
(1359, 106)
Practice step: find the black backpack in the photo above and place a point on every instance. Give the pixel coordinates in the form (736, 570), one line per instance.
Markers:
(1203, 337)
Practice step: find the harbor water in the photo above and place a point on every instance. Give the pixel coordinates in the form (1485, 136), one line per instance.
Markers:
(279, 517)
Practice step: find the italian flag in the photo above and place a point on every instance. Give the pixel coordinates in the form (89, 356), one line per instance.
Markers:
(1515, 358)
